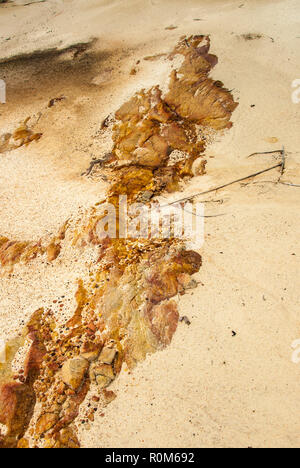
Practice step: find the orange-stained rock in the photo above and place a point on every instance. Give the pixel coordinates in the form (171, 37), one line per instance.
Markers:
(91, 351)
(34, 359)
(23, 135)
(153, 153)
(102, 381)
(98, 369)
(128, 305)
(53, 251)
(81, 299)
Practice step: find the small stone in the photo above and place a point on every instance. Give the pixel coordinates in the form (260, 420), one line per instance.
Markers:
(90, 351)
(68, 438)
(73, 372)
(186, 282)
(102, 381)
(61, 388)
(184, 279)
(192, 284)
(186, 320)
(92, 356)
(61, 399)
(107, 355)
(46, 422)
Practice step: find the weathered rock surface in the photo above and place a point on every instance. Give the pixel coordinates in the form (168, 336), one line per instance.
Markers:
(23, 135)
(46, 422)
(102, 374)
(73, 372)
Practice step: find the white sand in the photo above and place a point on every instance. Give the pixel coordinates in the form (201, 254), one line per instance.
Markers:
(208, 388)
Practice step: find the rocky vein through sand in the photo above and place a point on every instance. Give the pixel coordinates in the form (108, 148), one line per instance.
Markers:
(125, 311)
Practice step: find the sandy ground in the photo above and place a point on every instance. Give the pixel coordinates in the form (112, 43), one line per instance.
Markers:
(211, 387)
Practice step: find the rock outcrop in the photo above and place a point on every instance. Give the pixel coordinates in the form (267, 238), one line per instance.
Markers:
(125, 308)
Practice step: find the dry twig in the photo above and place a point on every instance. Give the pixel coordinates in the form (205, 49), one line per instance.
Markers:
(226, 185)
(93, 163)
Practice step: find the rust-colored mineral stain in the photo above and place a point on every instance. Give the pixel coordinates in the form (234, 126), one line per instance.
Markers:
(126, 309)
(23, 135)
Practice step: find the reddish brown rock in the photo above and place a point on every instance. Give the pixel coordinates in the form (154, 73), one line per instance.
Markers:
(128, 306)
(23, 443)
(16, 407)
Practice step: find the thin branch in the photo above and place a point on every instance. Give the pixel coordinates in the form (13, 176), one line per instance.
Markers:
(226, 185)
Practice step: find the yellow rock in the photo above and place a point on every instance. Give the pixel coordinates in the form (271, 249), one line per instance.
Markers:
(107, 355)
(73, 372)
(23, 443)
